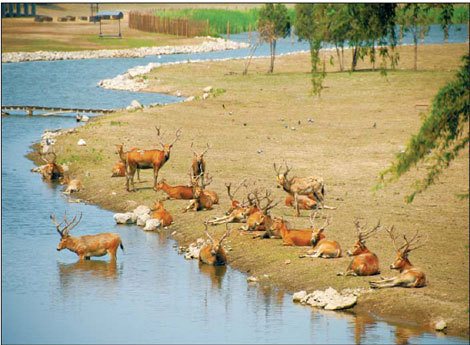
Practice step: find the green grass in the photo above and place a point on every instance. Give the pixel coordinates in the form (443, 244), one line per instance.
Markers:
(239, 20)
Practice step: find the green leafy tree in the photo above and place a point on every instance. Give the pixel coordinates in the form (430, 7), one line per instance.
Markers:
(445, 18)
(414, 18)
(443, 134)
(274, 23)
(307, 28)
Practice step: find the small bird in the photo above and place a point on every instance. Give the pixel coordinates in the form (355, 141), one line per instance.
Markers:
(292, 128)
(375, 125)
(282, 119)
(286, 126)
(223, 105)
(309, 120)
(245, 124)
(260, 151)
(300, 122)
(230, 112)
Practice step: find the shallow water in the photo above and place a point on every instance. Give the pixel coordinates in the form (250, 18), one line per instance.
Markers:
(152, 295)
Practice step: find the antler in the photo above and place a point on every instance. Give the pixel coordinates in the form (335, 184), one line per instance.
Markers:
(159, 135)
(207, 149)
(177, 135)
(414, 241)
(269, 202)
(312, 220)
(192, 149)
(68, 225)
(393, 237)
(231, 196)
(207, 233)
(365, 234)
(227, 233)
(207, 181)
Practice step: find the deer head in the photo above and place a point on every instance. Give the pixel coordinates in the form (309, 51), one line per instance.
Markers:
(234, 203)
(362, 234)
(64, 232)
(199, 156)
(167, 148)
(263, 203)
(216, 244)
(402, 252)
(317, 232)
(281, 177)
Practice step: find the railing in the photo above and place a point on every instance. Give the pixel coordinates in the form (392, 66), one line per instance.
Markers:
(172, 26)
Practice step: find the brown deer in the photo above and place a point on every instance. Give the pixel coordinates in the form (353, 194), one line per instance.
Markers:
(237, 212)
(301, 186)
(306, 202)
(175, 192)
(160, 213)
(202, 200)
(194, 180)
(410, 276)
(198, 165)
(260, 220)
(148, 159)
(323, 248)
(119, 169)
(51, 171)
(88, 245)
(364, 262)
(214, 253)
(74, 185)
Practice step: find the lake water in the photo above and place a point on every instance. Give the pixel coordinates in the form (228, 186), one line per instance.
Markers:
(152, 294)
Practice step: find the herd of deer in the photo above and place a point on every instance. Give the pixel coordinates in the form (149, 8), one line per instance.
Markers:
(304, 193)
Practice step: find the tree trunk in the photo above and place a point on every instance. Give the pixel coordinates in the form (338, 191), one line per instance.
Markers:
(446, 33)
(341, 67)
(273, 56)
(373, 55)
(415, 38)
(354, 58)
(401, 34)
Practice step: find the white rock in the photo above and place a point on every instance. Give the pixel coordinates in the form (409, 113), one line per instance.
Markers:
(341, 302)
(251, 279)
(142, 219)
(142, 209)
(189, 99)
(298, 296)
(123, 218)
(152, 225)
(440, 325)
(135, 104)
(84, 118)
(207, 89)
(205, 96)
(178, 94)
(81, 142)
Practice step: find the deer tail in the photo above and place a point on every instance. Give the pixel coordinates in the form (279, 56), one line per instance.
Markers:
(122, 247)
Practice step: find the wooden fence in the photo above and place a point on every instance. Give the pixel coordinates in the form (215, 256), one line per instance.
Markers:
(172, 26)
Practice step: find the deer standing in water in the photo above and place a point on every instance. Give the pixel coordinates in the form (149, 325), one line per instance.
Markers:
(301, 186)
(88, 245)
(148, 159)
(364, 262)
(410, 276)
(214, 253)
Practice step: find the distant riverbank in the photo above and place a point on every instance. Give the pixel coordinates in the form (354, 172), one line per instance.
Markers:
(209, 44)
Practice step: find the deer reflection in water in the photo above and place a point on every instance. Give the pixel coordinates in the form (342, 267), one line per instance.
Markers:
(216, 273)
(85, 272)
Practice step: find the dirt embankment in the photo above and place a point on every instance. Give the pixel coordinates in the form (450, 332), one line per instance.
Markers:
(342, 145)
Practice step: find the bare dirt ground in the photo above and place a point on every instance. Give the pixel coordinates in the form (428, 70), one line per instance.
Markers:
(341, 145)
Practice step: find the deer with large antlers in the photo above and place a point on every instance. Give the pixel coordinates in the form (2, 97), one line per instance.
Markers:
(323, 248)
(198, 165)
(89, 245)
(51, 171)
(214, 253)
(364, 262)
(260, 220)
(410, 276)
(238, 211)
(202, 199)
(148, 159)
(301, 186)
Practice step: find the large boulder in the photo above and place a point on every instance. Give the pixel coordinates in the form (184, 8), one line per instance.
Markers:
(142, 209)
(152, 224)
(125, 218)
(330, 299)
(142, 219)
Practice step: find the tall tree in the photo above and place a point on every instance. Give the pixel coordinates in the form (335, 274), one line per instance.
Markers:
(307, 29)
(274, 23)
(445, 18)
(413, 18)
(443, 134)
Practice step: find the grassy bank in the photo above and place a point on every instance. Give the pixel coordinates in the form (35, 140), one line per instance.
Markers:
(341, 145)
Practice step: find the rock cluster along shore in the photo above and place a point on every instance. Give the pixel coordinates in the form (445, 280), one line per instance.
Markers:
(210, 44)
(330, 299)
(140, 216)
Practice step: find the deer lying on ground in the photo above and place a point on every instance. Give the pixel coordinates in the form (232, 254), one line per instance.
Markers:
(301, 186)
(160, 213)
(290, 237)
(119, 169)
(194, 180)
(214, 253)
(88, 245)
(175, 192)
(148, 159)
(51, 171)
(237, 212)
(306, 202)
(323, 248)
(202, 200)
(74, 185)
(410, 276)
(260, 220)
(364, 262)
(198, 165)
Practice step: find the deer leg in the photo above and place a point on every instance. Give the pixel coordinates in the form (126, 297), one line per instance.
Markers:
(138, 174)
(155, 178)
(297, 213)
